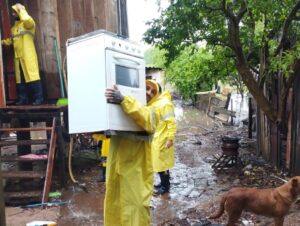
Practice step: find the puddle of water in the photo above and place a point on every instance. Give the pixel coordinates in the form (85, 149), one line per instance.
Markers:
(84, 208)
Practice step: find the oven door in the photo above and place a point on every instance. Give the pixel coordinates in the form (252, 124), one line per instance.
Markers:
(128, 73)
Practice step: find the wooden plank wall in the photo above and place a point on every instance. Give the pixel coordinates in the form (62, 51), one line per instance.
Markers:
(275, 154)
(2, 88)
(274, 144)
(295, 152)
(77, 17)
(289, 133)
(263, 134)
(63, 19)
(45, 16)
(7, 60)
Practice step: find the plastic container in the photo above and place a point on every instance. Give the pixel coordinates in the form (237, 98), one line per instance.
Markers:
(41, 223)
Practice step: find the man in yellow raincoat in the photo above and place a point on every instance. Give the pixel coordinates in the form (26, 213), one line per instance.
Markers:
(25, 58)
(163, 138)
(129, 176)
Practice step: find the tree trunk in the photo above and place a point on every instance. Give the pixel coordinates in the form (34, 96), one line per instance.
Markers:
(245, 72)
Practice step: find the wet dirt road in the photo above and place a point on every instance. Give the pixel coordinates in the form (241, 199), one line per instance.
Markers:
(195, 187)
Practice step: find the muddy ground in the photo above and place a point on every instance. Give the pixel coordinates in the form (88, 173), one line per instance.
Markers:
(195, 186)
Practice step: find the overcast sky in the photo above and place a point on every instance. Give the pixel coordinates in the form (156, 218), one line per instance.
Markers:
(139, 12)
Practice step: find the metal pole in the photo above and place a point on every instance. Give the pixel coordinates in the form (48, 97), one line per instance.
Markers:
(2, 206)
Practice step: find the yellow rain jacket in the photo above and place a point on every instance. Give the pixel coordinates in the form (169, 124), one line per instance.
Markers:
(162, 157)
(129, 178)
(22, 39)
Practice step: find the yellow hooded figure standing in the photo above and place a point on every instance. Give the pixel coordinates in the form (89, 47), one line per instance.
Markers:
(163, 139)
(105, 141)
(129, 176)
(25, 57)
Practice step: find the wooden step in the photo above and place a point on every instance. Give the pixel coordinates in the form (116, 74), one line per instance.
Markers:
(23, 174)
(23, 194)
(40, 116)
(24, 142)
(25, 129)
(20, 159)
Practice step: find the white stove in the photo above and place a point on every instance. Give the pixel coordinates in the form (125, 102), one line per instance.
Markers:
(97, 61)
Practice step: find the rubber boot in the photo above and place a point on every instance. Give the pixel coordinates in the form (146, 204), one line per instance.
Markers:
(165, 183)
(103, 175)
(37, 92)
(22, 94)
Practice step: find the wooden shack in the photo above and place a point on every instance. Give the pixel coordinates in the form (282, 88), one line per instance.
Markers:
(60, 20)
(281, 145)
(56, 22)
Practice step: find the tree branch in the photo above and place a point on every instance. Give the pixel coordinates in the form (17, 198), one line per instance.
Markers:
(243, 67)
(286, 26)
(227, 12)
(285, 90)
(242, 11)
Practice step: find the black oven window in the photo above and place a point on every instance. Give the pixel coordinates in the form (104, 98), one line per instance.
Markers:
(126, 76)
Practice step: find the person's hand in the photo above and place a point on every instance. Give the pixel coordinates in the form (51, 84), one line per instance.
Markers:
(114, 95)
(19, 7)
(169, 143)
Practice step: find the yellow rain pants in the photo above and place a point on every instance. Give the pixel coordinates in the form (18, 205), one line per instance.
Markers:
(129, 178)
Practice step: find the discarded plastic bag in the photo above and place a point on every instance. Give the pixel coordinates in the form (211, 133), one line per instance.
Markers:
(41, 223)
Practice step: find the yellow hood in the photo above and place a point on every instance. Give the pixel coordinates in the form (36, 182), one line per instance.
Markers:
(14, 7)
(153, 84)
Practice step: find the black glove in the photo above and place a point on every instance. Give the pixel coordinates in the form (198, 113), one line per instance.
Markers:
(114, 96)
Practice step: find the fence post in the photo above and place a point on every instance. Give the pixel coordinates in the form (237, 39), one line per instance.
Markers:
(2, 206)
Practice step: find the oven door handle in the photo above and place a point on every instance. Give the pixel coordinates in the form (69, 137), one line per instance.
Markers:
(127, 60)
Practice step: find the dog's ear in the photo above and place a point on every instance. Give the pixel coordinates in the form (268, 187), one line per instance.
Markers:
(295, 183)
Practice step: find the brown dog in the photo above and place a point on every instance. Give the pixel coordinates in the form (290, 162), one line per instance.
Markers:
(268, 202)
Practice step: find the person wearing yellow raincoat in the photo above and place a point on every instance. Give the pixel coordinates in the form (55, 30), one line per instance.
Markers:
(163, 139)
(25, 57)
(129, 176)
(104, 152)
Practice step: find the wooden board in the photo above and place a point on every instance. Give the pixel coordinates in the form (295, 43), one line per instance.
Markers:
(2, 91)
(7, 58)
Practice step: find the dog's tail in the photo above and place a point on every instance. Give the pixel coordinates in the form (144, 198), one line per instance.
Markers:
(220, 210)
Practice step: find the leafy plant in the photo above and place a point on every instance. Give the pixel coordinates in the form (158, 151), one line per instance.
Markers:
(155, 57)
(198, 69)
